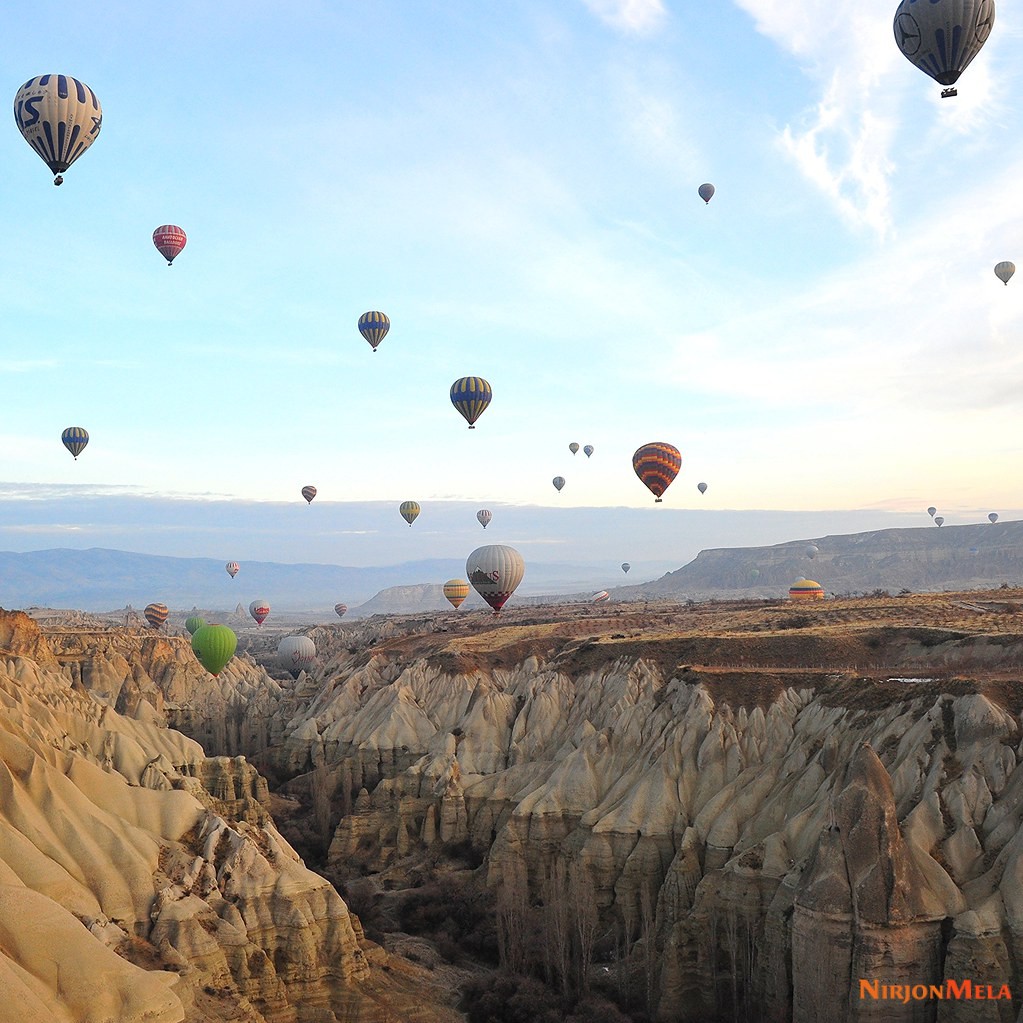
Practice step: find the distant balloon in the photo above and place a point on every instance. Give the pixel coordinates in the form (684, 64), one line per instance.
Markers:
(931, 511)
(574, 447)
(938, 520)
(260, 610)
(811, 550)
(706, 191)
(600, 597)
(409, 511)
(588, 450)
(1004, 270)
(471, 396)
(625, 567)
(373, 326)
(559, 482)
(59, 117)
(806, 589)
(194, 622)
(993, 517)
(702, 487)
(484, 516)
(657, 464)
(340, 610)
(232, 568)
(941, 37)
(74, 438)
(495, 572)
(156, 614)
(456, 590)
(169, 241)
(296, 653)
(309, 493)
(214, 646)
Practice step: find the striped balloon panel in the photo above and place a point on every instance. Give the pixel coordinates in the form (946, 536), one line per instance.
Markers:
(193, 623)
(941, 37)
(806, 589)
(340, 610)
(409, 511)
(74, 439)
(156, 614)
(214, 646)
(309, 493)
(602, 596)
(373, 326)
(232, 568)
(471, 396)
(657, 464)
(169, 241)
(484, 516)
(59, 117)
(456, 590)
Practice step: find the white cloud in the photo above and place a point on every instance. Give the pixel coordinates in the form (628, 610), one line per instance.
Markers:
(638, 17)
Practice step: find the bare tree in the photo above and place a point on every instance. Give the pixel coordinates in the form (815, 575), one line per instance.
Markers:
(556, 924)
(648, 935)
(585, 919)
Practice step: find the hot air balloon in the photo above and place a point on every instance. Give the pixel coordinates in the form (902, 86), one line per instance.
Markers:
(495, 572)
(59, 117)
(194, 622)
(810, 550)
(931, 511)
(456, 590)
(941, 37)
(296, 654)
(993, 517)
(625, 567)
(471, 396)
(156, 614)
(657, 464)
(588, 450)
(373, 326)
(484, 516)
(573, 447)
(600, 597)
(938, 520)
(259, 609)
(169, 240)
(74, 438)
(706, 191)
(214, 646)
(702, 487)
(232, 568)
(559, 482)
(309, 493)
(409, 511)
(340, 610)
(1004, 270)
(806, 589)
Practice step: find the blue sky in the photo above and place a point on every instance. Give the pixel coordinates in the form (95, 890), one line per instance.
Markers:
(516, 186)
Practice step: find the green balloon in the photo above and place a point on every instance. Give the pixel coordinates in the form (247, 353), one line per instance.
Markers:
(214, 645)
(193, 623)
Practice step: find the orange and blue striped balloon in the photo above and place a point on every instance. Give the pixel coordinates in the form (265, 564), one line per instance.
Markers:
(471, 396)
(657, 464)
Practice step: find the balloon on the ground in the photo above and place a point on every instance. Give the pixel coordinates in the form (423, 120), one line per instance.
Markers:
(706, 191)
(471, 396)
(409, 511)
(931, 511)
(625, 567)
(484, 515)
(296, 653)
(169, 241)
(260, 610)
(941, 37)
(74, 438)
(194, 622)
(657, 464)
(588, 450)
(938, 519)
(340, 610)
(495, 572)
(456, 590)
(806, 589)
(214, 646)
(155, 614)
(598, 598)
(573, 447)
(702, 487)
(59, 117)
(559, 482)
(232, 568)
(309, 493)
(373, 326)
(993, 517)
(1004, 270)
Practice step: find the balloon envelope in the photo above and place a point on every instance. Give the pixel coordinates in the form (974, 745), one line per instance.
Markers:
(657, 464)
(340, 610)
(588, 450)
(214, 646)
(702, 487)
(59, 117)
(156, 614)
(806, 589)
(941, 37)
(309, 493)
(169, 241)
(1004, 270)
(456, 590)
(625, 567)
(938, 520)
(811, 550)
(573, 447)
(495, 572)
(471, 396)
(598, 598)
(232, 568)
(260, 610)
(706, 191)
(373, 326)
(559, 482)
(484, 515)
(296, 653)
(993, 517)
(74, 438)
(931, 511)
(409, 511)
(194, 622)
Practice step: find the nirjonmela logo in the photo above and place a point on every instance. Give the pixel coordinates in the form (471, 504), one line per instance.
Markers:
(965, 990)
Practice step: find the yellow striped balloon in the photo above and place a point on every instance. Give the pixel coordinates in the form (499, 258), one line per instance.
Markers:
(74, 438)
(409, 511)
(456, 590)
(471, 396)
(806, 589)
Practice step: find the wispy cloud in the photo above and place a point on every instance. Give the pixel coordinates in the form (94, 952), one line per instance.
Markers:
(637, 17)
